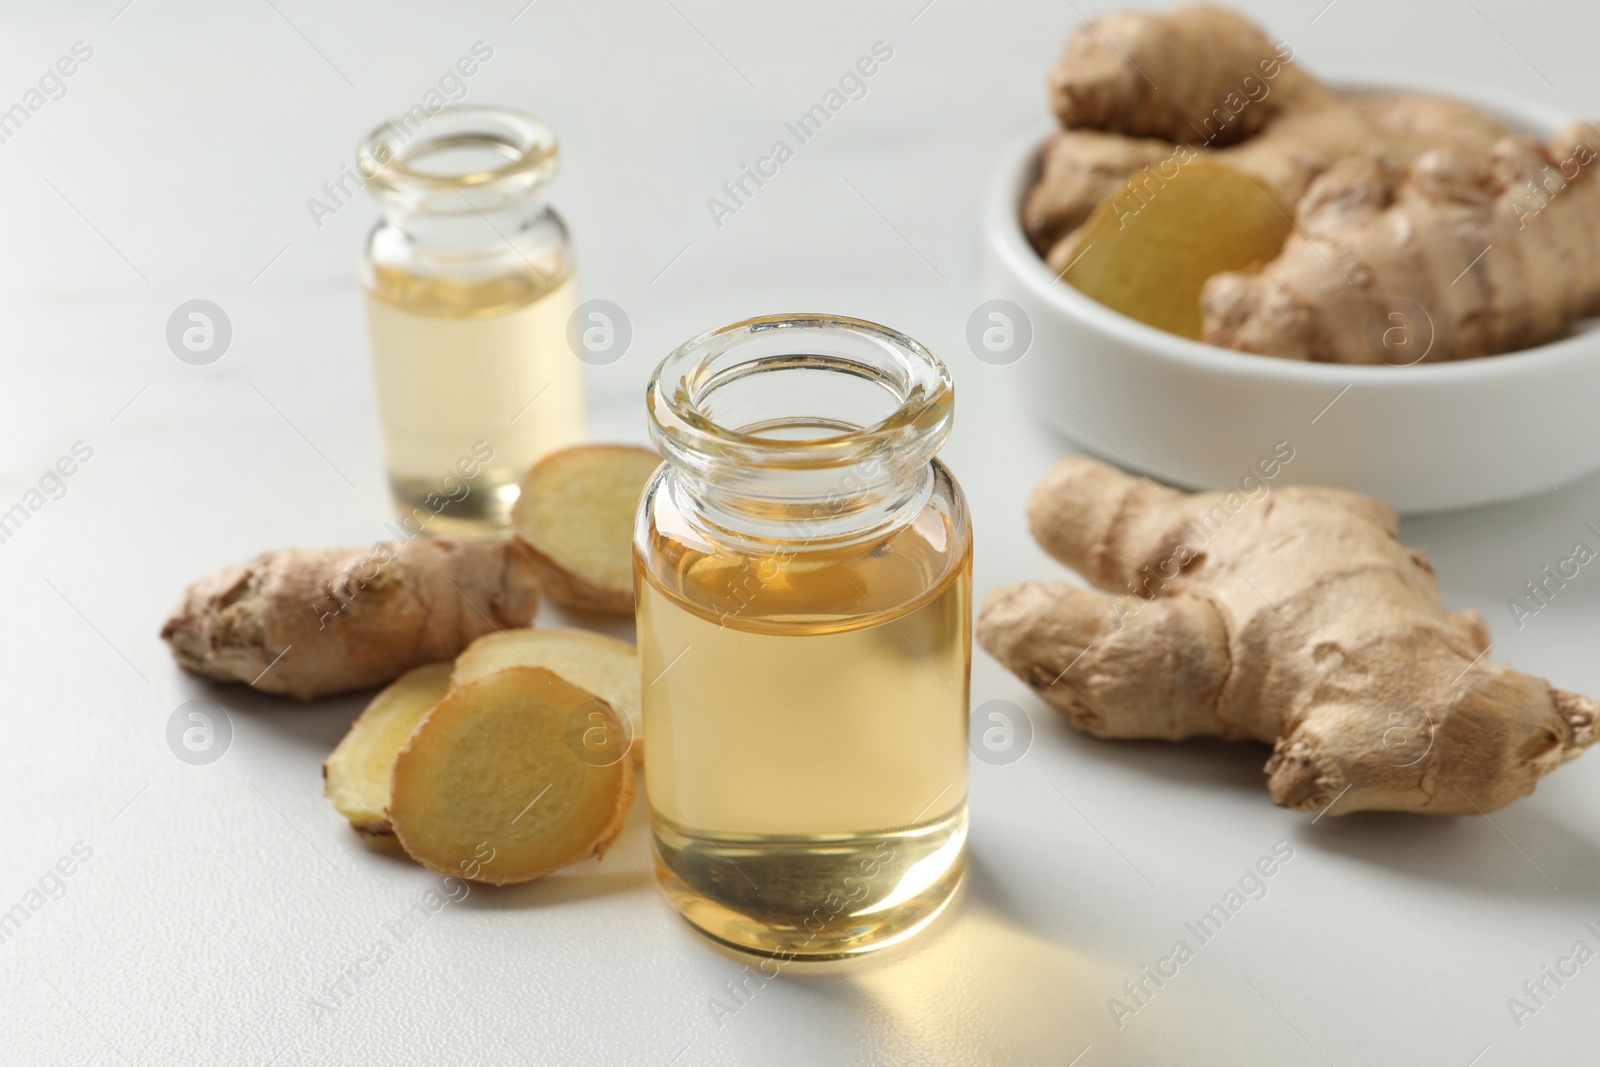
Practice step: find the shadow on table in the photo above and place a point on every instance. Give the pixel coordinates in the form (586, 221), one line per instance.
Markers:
(1207, 763)
(1520, 853)
(576, 885)
(313, 727)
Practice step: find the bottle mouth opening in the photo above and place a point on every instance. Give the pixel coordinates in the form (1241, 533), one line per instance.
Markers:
(800, 392)
(477, 156)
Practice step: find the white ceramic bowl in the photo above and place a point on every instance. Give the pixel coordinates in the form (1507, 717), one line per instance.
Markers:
(1430, 437)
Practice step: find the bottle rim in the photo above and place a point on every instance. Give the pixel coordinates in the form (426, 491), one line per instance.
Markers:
(690, 435)
(386, 156)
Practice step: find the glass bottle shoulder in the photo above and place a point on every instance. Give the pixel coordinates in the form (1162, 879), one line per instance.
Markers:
(800, 587)
(466, 279)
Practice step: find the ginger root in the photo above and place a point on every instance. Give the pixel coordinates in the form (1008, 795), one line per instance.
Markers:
(1397, 196)
(576, 515)
(312, 622)
(1225, 92)
(491, 785)
(1296, 618)
(1450, 259)
(1082, 169)
(1165, 75)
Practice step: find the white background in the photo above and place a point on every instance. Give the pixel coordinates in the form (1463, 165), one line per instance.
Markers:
(220, 900)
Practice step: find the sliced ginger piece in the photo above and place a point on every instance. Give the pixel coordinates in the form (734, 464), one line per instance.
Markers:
(491, 787)
(603, 665)
(356, 775)
(1148, 250)
(576, 515)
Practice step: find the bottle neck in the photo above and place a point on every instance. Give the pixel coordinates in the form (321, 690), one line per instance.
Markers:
(466, 186)
(826, 509)
(443, 233)
(510, 258)
(804, 431)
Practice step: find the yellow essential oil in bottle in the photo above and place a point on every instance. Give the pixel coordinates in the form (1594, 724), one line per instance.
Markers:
(469, 290)
(804, 610)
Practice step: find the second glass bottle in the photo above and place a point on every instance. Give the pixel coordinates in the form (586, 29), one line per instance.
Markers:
(469, 282)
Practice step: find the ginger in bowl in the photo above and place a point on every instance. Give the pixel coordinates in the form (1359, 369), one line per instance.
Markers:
(1248, 258)
(1248, 205)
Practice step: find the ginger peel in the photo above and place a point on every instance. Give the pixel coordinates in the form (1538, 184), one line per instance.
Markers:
(1453, 236)
(314, 622)
(1227, 93)
(1297, 619)
(1203, 57)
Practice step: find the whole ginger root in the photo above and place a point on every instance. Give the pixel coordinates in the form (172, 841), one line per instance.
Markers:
(313, 622)
(1296, 618)
(1228, 93)
(1398, 194)
(1497, 251)
(1165, 76)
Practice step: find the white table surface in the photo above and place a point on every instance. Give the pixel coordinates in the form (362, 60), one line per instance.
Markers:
(221, 903)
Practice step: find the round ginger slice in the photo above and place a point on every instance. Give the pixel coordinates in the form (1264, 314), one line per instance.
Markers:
(603, 665)
(356, 775)
(1149, 249)
(576, 514)
(491, 786)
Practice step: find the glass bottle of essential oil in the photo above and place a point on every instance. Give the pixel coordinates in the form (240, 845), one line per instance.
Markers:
(469, 283)
(803, 571)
